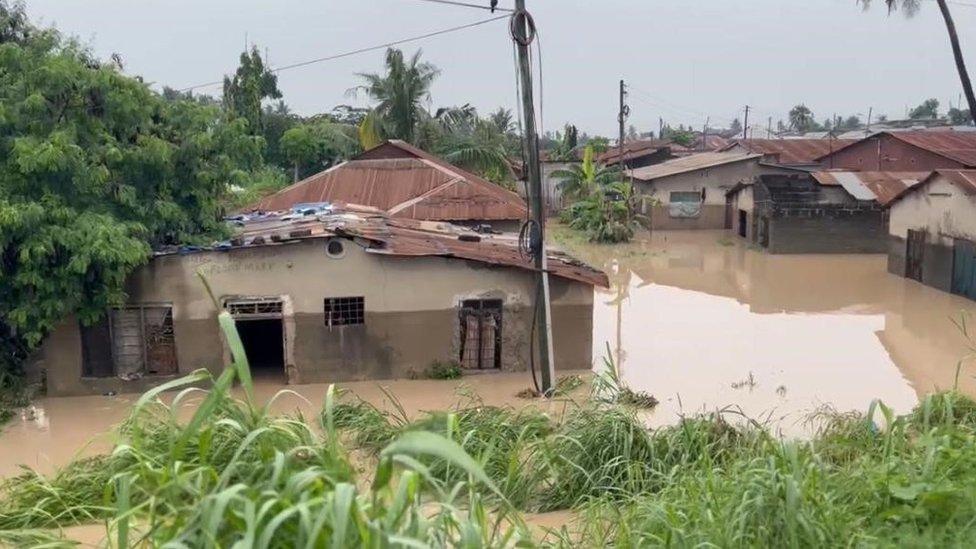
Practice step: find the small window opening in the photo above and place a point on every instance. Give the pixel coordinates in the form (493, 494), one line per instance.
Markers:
(345, 311)
(335, 248)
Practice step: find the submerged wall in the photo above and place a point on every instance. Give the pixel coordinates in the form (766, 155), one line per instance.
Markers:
(411, 313)
(828, 230)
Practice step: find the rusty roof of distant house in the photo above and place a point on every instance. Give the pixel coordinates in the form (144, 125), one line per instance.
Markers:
(964, 179)
(689, 163)
(883, 186)
(381, 234)
(957, 146)
(713, 143)
(637, 149)
(791, 151)
(403, 181)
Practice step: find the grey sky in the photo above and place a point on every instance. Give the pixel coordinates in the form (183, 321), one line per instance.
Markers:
(687, 59)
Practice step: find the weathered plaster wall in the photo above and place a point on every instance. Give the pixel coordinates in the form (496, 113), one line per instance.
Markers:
(941, 208)
(411, 312)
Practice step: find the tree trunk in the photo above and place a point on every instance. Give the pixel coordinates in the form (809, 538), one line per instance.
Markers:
(967, 86)
(294, 177)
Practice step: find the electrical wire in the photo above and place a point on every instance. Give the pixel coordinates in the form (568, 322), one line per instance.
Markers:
(363, 50)
(468, 5)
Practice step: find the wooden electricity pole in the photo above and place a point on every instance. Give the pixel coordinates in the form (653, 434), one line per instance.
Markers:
(523, 32)
(745, 126)
(621, 119)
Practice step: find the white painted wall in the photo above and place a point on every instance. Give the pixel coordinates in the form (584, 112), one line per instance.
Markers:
(945, 210)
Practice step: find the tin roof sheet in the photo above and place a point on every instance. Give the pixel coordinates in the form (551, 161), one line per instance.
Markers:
(880, 186)
(383, 234)
(959, 146)
(689, 163)
(791, 151)
(406, 182)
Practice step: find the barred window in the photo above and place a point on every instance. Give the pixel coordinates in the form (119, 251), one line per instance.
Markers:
(345, 311)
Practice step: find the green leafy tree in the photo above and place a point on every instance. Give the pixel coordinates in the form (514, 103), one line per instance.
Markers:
(929, 109)
(315, 145)
(910, 8)
(251, 84)
(582, 180)
(959, 116)
(400, 93)
(599, 144)
(801, 118)
(680, 136)
(95, 169)
(480, 145)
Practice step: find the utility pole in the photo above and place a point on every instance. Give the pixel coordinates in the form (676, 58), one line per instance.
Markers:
(745, 126)
(705, 133)
(621, 120)
(660, 127)
(523, 32)
(867, 127)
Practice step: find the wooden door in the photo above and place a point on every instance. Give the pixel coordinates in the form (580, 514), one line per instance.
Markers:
(914, 254)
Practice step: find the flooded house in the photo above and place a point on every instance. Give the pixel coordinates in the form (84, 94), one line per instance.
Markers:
(406, 182)
(690, 192)
(820, 212)
(352, 294)
(906, 151)
(932, 229)
(793, 153)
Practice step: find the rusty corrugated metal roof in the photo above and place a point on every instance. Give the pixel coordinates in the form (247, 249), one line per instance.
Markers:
(406, 182)
(637, 149)
(386, 235)
(793, 152)
(964, 179)
(957, 146)
(885, 186)
(689, 163)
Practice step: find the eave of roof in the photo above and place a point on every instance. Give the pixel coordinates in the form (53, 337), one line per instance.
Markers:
(964, 179)
(689, 163)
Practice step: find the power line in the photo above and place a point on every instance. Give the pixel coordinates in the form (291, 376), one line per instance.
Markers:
(673, 107)
(363, 50)
(468, 5)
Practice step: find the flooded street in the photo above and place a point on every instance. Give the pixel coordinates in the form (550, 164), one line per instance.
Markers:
(702, 322)
(695, 318)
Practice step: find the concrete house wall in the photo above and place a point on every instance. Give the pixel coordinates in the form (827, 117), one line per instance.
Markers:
(945, 213)
(886, 153)
(742, 201)
(715, 180)
(411, 313)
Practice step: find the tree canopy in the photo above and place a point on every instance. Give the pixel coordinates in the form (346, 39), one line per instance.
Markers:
(95, 169)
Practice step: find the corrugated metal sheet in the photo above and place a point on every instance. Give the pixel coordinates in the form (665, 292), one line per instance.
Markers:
(637, 149)
(406, 182)
(958, 146)
(791, 152)
(689, 163)
(880, 186)
(385, 235)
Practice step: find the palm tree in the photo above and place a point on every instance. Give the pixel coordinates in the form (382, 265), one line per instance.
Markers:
(474, 143)
(910, 8)
(400, 93)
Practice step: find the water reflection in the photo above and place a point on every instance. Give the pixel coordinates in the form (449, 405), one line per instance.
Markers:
(703, 322)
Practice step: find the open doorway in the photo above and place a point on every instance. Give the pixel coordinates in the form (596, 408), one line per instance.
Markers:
(260, 323)
(264, 344)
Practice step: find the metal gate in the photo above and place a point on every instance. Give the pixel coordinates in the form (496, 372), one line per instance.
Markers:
(481, 333)
(964, 268)
(914, 254)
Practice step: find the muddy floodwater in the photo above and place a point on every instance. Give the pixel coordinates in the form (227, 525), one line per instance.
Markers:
(697, 319)
(703, 322)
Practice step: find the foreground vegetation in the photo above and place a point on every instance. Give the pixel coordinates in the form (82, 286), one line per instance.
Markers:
(232, 473)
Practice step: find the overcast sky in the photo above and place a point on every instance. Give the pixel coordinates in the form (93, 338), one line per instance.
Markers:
(685, 59)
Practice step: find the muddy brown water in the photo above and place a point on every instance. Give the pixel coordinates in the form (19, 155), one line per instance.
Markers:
(695, 318)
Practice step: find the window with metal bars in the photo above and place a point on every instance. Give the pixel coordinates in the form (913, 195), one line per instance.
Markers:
(254, 307)
(345, 311)
(130, 342)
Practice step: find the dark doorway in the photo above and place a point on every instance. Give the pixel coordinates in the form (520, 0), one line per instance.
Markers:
(481, 334)
(964, 268)
(265, 347)
(742, 223)
(914, 254)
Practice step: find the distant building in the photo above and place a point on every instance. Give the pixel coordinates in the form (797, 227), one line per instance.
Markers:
(823, 212)
(689, 192)
(638, 154)
(906, 151)
(793, 153)
(932, 229)
(406, 182)
(349, 295)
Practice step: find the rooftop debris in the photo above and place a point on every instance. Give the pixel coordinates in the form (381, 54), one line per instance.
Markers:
(880, 186)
